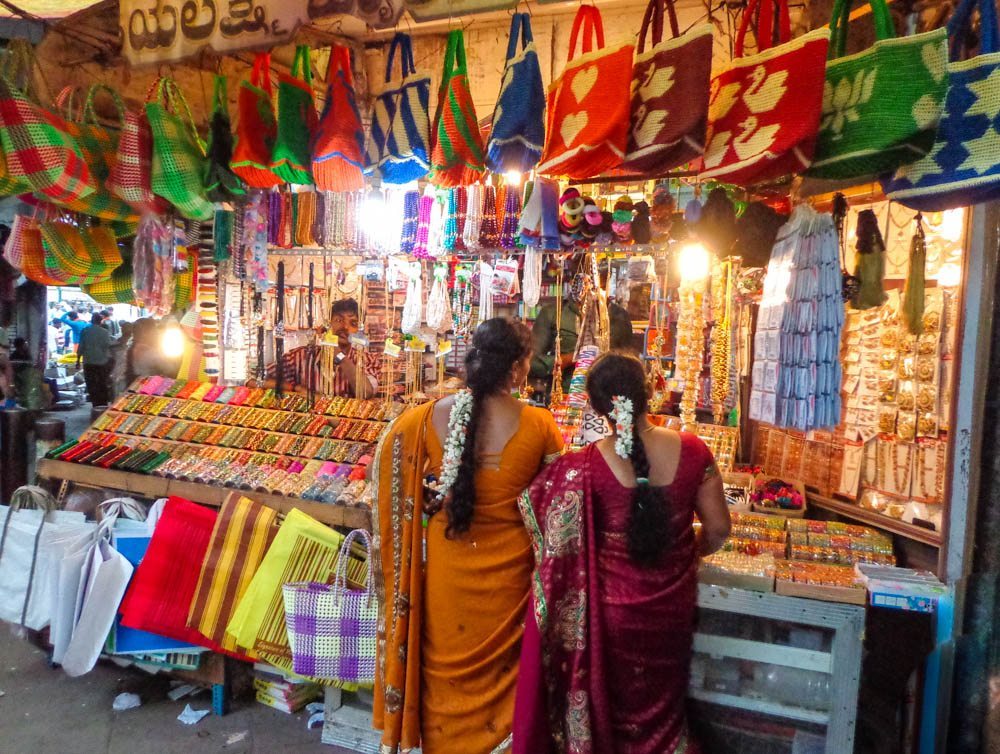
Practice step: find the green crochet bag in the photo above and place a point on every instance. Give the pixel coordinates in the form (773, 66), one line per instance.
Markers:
(881, 106)
(292, 158)
(179, 162)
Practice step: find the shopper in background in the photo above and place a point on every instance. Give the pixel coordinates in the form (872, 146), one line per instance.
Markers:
(76, 325)
(448, 668)
(110, 323)
(144, 356)
(6, 372)
(95, 352)
(56, 337)
(616, 581)
(119, 359)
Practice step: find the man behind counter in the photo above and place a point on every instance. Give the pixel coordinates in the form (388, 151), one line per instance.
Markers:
(543, 334)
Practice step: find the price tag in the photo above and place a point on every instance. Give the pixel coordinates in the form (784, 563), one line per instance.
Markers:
(415, 345)
(392, 350)
(358, 339)
(444, 347)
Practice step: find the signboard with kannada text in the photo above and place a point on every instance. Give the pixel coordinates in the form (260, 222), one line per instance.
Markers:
(158, 31)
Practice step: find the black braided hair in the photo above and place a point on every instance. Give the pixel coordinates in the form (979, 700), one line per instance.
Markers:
(621, 375)
(498, 345)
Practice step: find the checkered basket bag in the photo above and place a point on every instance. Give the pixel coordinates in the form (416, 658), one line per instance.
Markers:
(40, 153)
(332, 629)
(117, 289)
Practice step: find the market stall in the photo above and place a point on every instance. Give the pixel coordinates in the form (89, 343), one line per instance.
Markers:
(320, 261)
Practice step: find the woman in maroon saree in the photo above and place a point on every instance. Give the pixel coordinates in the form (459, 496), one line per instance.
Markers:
(607, 646)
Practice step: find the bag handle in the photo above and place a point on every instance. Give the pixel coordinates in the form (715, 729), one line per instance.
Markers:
(840, 20)
(454, 57)
(340, 62)
(301, 66)
(765, 25)
(961, 21)
(17, 63)
(587, 22)
(402, 43)
(65, 103)
(340, 582)
(90, 114)
(220, 96)
(169, 95)
(520, 31)
(260, 74)
(654, 15)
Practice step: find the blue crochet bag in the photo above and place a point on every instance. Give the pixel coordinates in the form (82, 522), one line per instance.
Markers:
(963, 166)
(518, 131)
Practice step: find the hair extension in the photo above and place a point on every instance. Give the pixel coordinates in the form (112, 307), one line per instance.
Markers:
(498, 345)
(618, 374)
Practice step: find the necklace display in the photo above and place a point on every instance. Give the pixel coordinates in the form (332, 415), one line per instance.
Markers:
(721, 333)
(690, 349)
(557, 390)
(461, 303)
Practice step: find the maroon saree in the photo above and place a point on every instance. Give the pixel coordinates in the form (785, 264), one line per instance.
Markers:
(607, 647)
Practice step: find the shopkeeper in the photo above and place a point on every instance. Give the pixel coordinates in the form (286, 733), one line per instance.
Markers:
(543, 334)
(332, 368)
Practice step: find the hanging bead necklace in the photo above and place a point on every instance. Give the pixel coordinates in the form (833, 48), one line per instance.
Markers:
(411, 217)
(489, 233)
(461, 204)
(511, 214)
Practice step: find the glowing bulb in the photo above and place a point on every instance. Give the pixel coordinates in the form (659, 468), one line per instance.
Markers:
(172, 341)
(952, 224)
(695, 263)
(949, 275)
(373, 221)
(512, 178)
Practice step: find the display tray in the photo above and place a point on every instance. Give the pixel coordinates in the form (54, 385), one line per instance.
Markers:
(736, 580)
(847, 595)
(142, 485)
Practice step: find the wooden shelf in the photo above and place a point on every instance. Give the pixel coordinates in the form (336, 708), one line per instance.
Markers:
(895, 526)
(155, 487)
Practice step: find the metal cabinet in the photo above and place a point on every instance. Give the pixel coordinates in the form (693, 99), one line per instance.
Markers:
(787, 660)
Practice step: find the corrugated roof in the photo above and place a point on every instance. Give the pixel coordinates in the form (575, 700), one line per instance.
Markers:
(48, 8)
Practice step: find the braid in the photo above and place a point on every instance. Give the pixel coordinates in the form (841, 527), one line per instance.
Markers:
(647, 521)
(459, 507)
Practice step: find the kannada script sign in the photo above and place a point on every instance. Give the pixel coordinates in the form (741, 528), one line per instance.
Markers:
(156, 31)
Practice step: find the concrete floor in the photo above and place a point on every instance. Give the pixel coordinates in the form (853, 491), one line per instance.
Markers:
(44, 711)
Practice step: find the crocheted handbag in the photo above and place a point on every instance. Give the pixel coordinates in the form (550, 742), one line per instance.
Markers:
(881, 106)
(457, 154)
(586, 132)
(257, 128)
(131, 173)
(291, 158)
(222, 183)
(669, 94)
(179, 162)
(398, 143)
(518, 131)
(962, 167)
(339, 151)
(764, 109)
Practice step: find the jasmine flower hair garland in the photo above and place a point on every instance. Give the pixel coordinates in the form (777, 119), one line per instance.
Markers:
(621, 415)
(454, 444)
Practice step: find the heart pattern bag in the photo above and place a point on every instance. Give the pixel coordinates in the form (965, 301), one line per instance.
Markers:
(764, 109)
(586, 133)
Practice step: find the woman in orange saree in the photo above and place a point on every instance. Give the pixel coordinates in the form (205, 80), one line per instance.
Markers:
(455, 558)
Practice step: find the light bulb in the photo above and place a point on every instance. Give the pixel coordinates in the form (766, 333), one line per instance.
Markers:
(949, 275)
(512, 178)
(695, 263)
(373, 220)
(952, 224)
(172, 341)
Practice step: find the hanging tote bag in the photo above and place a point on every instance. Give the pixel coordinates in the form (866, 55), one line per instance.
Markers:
(222, 183)
(764, 109)
(399, 137)
(339, 151)
(16, 63)
(99, 146)
(257, 128)
(333, 630)
(880, 107)
(457, 154)
(79, 255)
(131, 176)
(669, 94)
(586, 132)
(117, 289)
(40, 153)
(179, 165)
(291, 159)
(518, 131)
(963, 167)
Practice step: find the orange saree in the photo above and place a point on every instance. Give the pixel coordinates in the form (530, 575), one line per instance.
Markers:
(451, 639)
